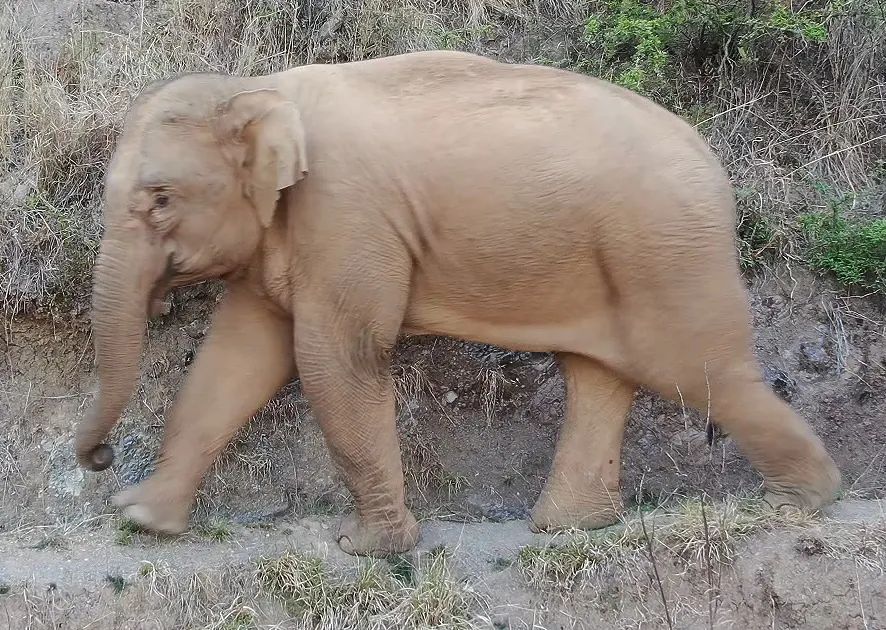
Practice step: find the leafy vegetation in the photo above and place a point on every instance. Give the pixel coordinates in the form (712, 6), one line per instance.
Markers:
(641, 42)
(853, 249)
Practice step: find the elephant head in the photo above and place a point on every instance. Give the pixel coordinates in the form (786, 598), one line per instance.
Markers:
(193, 183)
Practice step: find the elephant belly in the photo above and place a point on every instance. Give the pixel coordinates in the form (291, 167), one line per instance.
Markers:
(564, 316)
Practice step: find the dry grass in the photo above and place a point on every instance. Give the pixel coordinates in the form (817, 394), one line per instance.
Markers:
(492, 382)
(804, 114)
(864, 544)
(805, 124)
(59, 115)
(294, 590)
(701, 535)
(426, 596)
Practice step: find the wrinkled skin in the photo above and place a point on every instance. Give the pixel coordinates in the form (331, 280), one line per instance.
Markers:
(429, 193)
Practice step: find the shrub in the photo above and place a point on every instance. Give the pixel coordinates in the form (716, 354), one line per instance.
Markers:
(640, 43)
(854, 250)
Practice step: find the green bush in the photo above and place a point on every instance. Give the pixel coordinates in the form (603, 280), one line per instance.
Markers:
(640, 44)
(854, 250)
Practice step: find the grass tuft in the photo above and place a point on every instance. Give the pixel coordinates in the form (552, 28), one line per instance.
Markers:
(117, 582)
(376, 598)
(127, 531)
(865, 544)
(216, 532)
(691, 532)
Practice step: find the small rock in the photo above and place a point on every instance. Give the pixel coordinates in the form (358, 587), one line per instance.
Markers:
(690, 438)
(780, 381)
(450, 397)
(814, 357)
(73, 482)
(692, 445)
(165, 308)
(497, 512)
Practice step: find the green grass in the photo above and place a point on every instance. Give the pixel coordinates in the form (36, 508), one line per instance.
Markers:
(126, 531)
(852, 249)
(216, 532)
(117, 582)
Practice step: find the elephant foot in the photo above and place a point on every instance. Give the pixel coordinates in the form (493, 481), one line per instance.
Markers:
(377, 541)
(792, 500)
(547, 518)
(818, 489)
(152, 509)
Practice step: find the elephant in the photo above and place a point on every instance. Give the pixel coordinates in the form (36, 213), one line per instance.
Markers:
(427, 193)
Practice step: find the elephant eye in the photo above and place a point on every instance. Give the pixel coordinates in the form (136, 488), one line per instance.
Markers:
(161, 200)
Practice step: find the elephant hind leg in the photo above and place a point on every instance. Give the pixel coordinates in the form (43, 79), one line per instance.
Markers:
(781, 446)
(711, 367)
(582, 488)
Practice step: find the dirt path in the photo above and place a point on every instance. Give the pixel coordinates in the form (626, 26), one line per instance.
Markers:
(828, 573)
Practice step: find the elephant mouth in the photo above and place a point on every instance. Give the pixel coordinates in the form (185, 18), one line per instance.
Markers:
(158, 300)
(158, 303)
(172, 278)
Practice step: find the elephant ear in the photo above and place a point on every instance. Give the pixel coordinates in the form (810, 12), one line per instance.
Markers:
(268, 130)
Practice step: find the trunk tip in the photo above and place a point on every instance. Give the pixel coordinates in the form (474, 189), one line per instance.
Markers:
(100, 458)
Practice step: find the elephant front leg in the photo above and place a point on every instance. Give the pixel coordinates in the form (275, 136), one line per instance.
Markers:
(348, 383)
(582, 489)
(245, 359)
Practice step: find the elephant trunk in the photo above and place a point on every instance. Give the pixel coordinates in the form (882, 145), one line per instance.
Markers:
(126, 272)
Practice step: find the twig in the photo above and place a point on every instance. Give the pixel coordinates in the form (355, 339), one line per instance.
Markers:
(837, 152)
(864, 617)
(710, 573)
(732, 109)
(664, 599)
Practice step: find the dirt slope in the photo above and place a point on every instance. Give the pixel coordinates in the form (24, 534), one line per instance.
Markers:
(478, 426)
